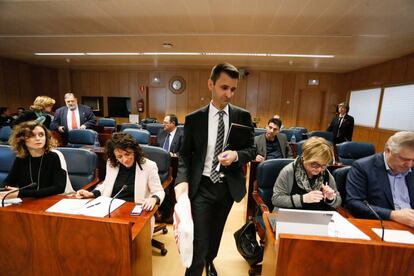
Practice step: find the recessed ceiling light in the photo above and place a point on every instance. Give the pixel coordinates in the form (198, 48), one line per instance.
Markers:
(167, 45)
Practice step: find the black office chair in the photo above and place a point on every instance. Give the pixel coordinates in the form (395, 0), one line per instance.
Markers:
(129, 125)
(290, 132)
(154, 128)
(259, 131)
(81, 166)
(7, 157)
(142, 136)
(348, 152)
(324, 134)
(5, 133)
(163, 160)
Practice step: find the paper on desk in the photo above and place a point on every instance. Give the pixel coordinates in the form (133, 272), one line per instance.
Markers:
(400, 236)
(12, 201)
(340, 227)
(99, 206)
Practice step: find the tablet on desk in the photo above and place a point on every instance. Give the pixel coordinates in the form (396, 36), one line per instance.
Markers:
(137, 210)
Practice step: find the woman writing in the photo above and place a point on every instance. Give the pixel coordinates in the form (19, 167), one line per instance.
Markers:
(127, 165)
(35, 163)
(305, 183)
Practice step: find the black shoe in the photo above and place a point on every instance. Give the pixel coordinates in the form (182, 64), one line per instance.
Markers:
(210, 269)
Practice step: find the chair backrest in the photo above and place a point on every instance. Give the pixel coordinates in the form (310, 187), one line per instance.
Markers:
(7, 157)
(107, 122)
(81, 137)
(81, 165)
(290, 132)
(130, 125)
(140, 135)
(5, 133)
(348, 152)
(266, 175)
(159, 156)
(153, 128)
(259, 131)
(324, 134)
(299, 147)
(340, 179)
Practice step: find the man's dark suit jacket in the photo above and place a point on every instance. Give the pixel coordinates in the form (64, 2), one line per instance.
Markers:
(368, 180)
(176, 143)
(86, 117)
(343, 133)
(193, 152)
(260, 143)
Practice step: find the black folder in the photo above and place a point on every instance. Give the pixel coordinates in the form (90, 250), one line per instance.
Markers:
(238, 137)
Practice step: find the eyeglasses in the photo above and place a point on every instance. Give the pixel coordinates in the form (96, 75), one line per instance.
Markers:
(316, 165)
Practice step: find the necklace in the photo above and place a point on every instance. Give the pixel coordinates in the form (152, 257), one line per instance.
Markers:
(38, 173)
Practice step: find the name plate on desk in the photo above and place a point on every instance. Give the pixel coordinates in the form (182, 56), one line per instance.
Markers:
(302, 222)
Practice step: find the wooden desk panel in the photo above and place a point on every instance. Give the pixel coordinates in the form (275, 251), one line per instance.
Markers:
(311, 255)
(40, 243)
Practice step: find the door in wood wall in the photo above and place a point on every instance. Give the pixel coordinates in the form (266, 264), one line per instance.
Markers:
(156, 103)
(310, 109)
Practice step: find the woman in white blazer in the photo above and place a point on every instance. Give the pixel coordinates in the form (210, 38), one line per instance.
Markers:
(127, 165)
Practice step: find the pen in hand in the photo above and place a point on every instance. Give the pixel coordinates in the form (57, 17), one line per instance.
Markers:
(93, 205)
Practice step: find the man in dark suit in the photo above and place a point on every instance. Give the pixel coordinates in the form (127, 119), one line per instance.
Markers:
(386, 181)
(342, 126)
(272, 144)
(170, 138)
(72, 116)
(212, 189)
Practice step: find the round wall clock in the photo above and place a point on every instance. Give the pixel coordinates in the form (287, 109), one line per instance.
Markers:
(177, 84)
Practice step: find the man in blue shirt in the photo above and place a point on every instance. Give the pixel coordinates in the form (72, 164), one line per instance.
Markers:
(386, 181)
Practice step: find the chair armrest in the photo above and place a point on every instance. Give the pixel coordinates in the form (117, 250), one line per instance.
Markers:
(93, 183)
(167, 182)
(258, 199)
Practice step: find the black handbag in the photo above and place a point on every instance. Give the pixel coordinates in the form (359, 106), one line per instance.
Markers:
(247, 244)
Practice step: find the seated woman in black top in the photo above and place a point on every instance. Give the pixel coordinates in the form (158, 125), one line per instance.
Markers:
(35, 162)
(305, 183)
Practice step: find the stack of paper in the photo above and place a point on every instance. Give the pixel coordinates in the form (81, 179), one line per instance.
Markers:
(12, 201)
(99, 207)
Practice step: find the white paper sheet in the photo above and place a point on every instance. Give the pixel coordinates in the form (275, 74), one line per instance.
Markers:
(399, 236)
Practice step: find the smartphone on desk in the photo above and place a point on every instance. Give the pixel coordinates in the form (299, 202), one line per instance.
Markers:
(137, 210)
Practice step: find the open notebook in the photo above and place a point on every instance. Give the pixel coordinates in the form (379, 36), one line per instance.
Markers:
(97, 207)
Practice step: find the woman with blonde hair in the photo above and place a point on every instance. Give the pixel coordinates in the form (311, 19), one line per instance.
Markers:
(39, 110)
(35, 162)
(306, 183)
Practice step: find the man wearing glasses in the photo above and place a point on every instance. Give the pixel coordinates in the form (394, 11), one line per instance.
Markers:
(386, 181)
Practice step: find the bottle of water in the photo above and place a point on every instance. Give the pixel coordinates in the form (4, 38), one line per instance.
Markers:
(293, 139)
(96, 143)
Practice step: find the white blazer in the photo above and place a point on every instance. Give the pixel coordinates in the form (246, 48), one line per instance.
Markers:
(147, 182)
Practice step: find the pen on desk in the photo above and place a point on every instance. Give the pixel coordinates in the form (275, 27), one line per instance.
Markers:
(93, 205)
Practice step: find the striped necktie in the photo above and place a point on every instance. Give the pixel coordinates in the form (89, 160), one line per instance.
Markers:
(215, 175)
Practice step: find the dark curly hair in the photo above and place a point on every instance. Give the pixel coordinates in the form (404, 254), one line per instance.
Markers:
(23, 131)
(123, 141)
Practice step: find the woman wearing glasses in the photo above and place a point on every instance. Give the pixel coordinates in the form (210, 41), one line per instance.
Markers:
(306, 183)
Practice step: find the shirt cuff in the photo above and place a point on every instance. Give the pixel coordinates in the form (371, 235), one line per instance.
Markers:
(96, 193)
(157, 199)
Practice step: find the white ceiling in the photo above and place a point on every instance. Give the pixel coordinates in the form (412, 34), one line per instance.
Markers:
(358, 32)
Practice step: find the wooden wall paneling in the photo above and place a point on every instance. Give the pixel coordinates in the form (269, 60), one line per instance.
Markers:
(25, 96)
(156, 102)
(65, 86)
(133, 90)
(2, 89)
(11, 82)
(252, 96)
(398, 70)
(409, 75)
(142, 79)
(276, 96)
(192, 94)
(288, 96)
(109, 87)
(180, 100)
(239, 97)
(124, 84)
(204, 93)
(263, 97)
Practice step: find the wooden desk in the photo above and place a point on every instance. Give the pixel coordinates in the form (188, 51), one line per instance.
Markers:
(34, 242)
(311, 255)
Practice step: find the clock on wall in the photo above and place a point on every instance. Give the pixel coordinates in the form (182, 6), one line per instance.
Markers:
(177, 84)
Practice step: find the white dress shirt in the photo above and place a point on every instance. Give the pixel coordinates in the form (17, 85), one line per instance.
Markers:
(69, 118)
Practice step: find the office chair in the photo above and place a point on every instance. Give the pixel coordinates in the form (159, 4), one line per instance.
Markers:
(340, 175)
(266, 175)
(163, 159)
(5, 133)
(154, 128)
(129, 125)
(348, 152)
(81, 167)
(290, 132)
(259, 131)
(107, 122)
(302, 130)
(324, 134)
(7, 157)
(142, 136)
(299, 147)
(81, 137)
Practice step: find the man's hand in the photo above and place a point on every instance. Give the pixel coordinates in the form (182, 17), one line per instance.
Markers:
(227, 157)
(82, 127)
(180, 189)
(403, 216)
(259, 158)
(61, 129)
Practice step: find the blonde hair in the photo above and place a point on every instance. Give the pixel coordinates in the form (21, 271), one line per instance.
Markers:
(41, 102)
(399, 140)
(317, 148)
(23, 131)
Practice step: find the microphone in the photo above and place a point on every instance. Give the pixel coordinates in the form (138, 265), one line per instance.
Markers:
(17, 190)
(115, 196)
(377, 216)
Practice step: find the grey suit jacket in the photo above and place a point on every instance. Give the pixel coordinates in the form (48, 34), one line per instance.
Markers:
(194, 150)
(260, 143)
